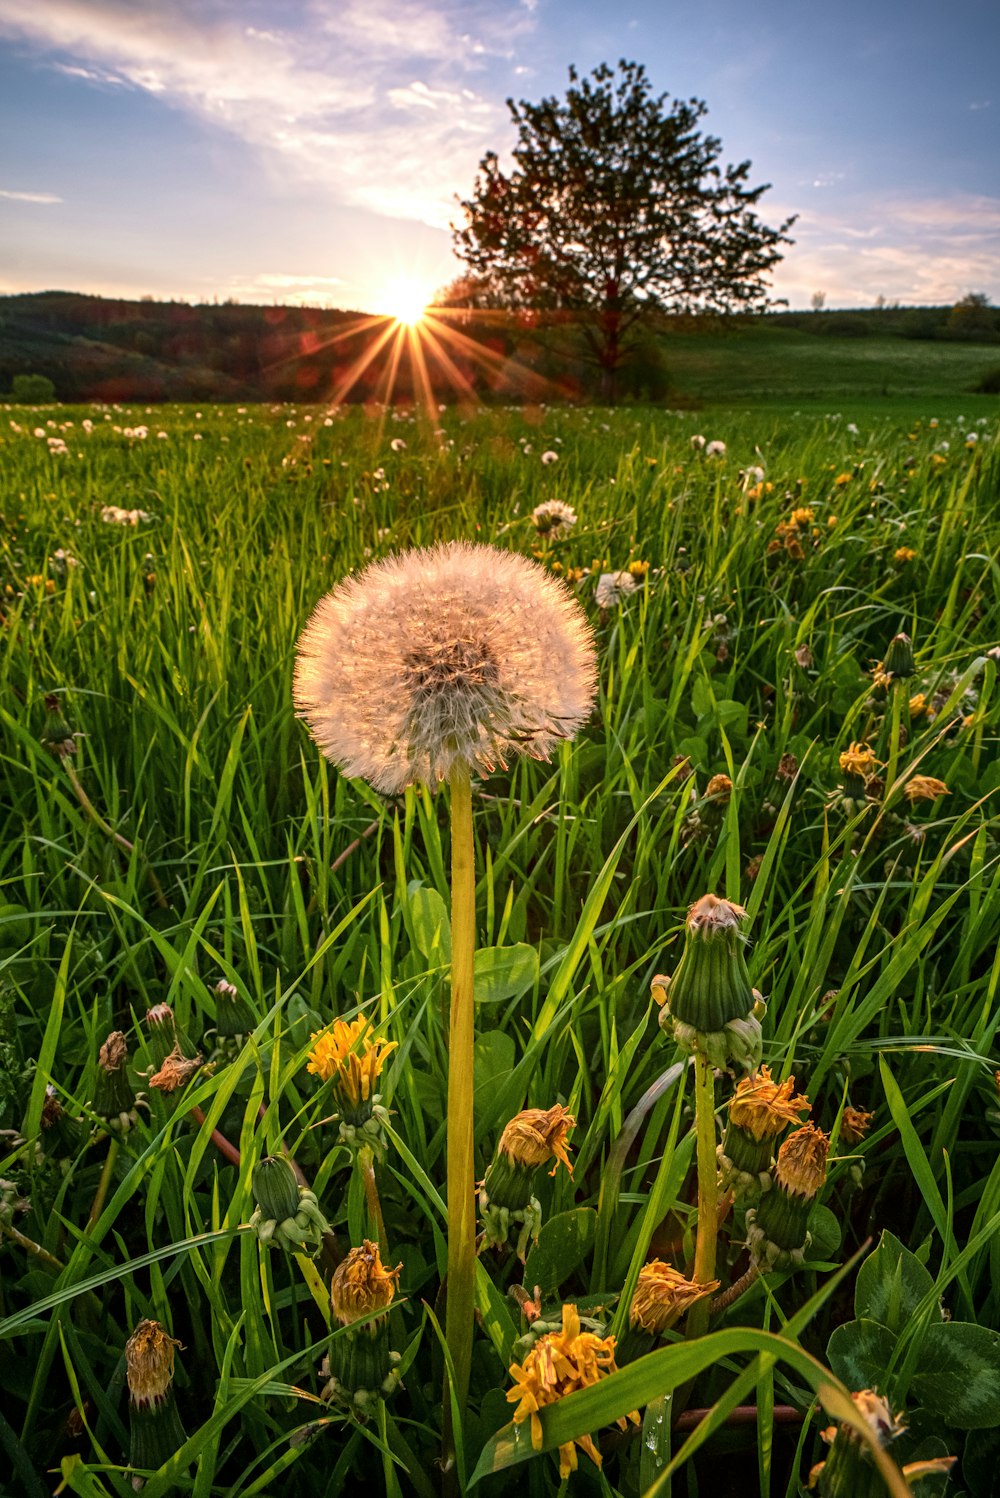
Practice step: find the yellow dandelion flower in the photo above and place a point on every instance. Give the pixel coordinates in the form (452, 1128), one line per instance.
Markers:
(801, 1163)
(858, 760)
(662, 1295)
(763, 1107)
(719, 786)
(919, 706)
(538, 1135)
(904, 554)
(362, 1284)
(803, 516)
(925, 788)
(842, 479)
(560, 1363)
(638, 569)
(342, 1055)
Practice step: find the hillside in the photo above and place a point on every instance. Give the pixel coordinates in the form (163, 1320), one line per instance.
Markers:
(94, 349)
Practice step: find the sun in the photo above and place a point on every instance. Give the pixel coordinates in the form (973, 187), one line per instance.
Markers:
(405, 300)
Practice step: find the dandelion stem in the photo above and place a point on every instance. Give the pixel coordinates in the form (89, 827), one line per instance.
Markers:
(366, 1164)
(109, 832)
(102, 1186)
(30, 1246)
(708, 1189)
(461, 1164)
(739, 1287)
(897, 691)
(220, 1141)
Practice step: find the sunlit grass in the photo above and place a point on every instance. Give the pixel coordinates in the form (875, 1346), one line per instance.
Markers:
(874, 935)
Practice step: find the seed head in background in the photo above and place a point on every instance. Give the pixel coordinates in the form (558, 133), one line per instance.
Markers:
(456, 655)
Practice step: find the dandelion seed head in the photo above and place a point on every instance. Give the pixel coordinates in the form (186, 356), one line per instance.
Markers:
(457, 655)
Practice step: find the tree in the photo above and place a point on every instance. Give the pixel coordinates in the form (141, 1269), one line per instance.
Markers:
(818, 301)
(32, 390)
(973, 317)
(616, 209)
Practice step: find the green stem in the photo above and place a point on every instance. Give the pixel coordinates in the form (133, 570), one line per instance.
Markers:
(366, 1165)
(708, 1190)
(102, 1186)
(109, 831)
(461, 1163)
(897, 689)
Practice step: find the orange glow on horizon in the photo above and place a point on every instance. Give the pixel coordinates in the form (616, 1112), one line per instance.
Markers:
(405, 300)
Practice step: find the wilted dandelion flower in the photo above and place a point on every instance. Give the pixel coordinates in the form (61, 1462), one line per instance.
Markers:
(453, 656)
(553, 518)
(352, 1061)
(662, 1295)
(924, 788)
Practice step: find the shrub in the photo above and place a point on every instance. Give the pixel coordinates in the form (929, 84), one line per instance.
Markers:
(32, 389)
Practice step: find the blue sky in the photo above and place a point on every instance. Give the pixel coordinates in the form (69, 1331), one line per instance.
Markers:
(311, 150)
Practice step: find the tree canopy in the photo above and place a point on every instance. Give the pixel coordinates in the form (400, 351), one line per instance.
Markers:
(617, 207)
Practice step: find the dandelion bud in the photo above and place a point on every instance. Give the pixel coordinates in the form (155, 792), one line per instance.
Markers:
(760, 1110)
(709, 1002)
(777, 1228)
(507, 1205)
(115, 1098)
(361, 1365)
(849, 1471)
(899, 660)
(286, 1214)
(56, 736)
(233, 1014)
(155, 1426)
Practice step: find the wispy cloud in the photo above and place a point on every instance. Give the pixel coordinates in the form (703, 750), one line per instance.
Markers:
(28, 197)
(915, 250)
(367, 99)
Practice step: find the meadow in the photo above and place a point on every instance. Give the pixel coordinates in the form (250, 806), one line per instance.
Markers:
(168, 824)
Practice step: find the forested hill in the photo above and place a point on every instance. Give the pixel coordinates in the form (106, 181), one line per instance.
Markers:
(96, 349)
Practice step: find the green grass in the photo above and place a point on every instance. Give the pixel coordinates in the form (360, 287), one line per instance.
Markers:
(874, 931)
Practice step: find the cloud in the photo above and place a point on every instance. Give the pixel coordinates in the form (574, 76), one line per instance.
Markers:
(369, 100)
(914, 250)
(29, 197)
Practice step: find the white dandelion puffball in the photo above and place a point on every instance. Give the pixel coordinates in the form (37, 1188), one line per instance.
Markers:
(612, 587)
(553, 518)
(438, 658)
(715, 450)
(550, 457)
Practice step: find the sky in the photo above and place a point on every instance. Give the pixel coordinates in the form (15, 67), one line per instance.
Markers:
(313, 150)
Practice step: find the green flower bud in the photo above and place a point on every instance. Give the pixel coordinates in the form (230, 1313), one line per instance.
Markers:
(56, 736)
(287, 1215)
(233, 1014)
(711, 985)
(899, 660)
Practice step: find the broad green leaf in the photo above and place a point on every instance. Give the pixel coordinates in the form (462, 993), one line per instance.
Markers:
(563, 1244)
(504, 973)
(960, 1374)
(981, 1463)
(859, 1352)
(431, 925)
(891, 1284)
(494, 1057)
(825, 1231)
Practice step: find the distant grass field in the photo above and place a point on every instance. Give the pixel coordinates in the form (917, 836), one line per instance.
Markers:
(768, 365)
(762, 602)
